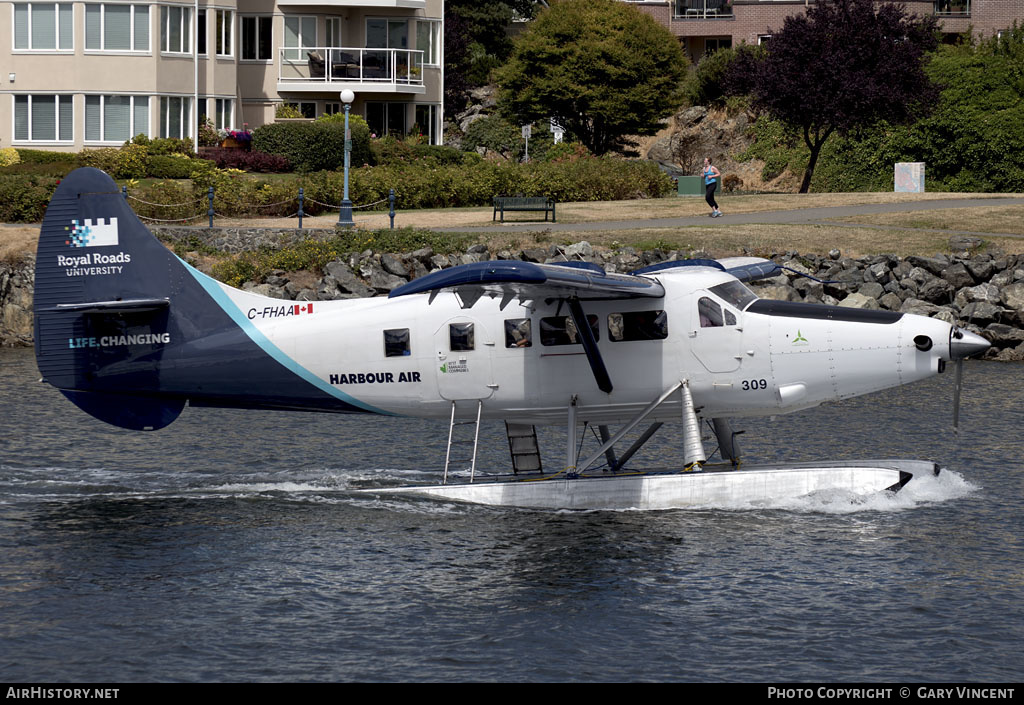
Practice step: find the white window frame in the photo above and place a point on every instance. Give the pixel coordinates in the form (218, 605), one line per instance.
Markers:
(257, 19)
(388, 21)
(164, 114)
(185, 29)
(135, 24)
(433, 127)
(223, 113)
(332, 32)
(202, 34)
(45, 97)
(431, 53)
(135, 102)
(302, 22)
(67, 24)
(224, 33)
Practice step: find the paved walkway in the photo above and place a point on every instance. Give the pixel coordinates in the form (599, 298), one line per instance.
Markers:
(803, 216)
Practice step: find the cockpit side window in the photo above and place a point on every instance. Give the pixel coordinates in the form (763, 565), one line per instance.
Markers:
(710, 313)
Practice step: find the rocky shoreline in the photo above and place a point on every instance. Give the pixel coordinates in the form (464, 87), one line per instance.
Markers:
(982, 291)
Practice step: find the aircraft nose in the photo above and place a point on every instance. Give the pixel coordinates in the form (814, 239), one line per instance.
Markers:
(963, 344)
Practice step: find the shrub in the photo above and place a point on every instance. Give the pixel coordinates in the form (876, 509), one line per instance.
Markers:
(9, 156)
(495, 133)
(24, 199)
(312, 146)
(247, 161)
(171, 166)
(42, 156)
(389, 150)
(170, 145)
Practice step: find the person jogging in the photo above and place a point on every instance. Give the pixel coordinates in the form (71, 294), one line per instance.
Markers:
(711, 175)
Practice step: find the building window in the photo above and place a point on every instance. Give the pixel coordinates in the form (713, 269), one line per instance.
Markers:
(428, 122)
(224, 113)
(333, 25)
(43, 118)
(117, 27)
(387, 34)
(201, 34)
(256, 38)
(711, 44)
(299, 37)
(115, 118)
(428, 40)
(175, 29)
(174, 112)
(387, 119)
(44, 26)
(224, 31)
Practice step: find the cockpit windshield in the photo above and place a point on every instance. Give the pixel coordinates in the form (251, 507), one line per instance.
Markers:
(734, 293)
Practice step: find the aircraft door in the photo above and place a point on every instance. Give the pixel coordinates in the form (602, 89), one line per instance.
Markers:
(716, 336)
(463, 363)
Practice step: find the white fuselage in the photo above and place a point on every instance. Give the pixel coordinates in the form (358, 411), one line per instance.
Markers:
(738, 364)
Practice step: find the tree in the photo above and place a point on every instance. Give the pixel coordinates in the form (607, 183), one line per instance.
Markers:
(601, 69)
(846, 65)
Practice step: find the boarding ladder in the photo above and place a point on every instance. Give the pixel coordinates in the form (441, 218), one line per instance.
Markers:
(453, 441)
(522, 444)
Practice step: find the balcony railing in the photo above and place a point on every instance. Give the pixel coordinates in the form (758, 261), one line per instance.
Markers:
(953, 8)
(400, 67)
(701, 9)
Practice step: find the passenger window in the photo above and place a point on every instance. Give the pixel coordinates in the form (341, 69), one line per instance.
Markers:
(710, 313)
(518, 333)
(561, 330)
(638, 325)
(460, 336)
(396, 342)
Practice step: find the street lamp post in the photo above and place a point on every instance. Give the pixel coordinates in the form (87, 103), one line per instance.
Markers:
(345, 214)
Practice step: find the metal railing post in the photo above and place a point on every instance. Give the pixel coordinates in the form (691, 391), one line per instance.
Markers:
(209, 212)
(391, 205)
(300, 206)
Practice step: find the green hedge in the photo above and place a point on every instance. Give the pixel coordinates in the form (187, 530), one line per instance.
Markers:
(474, 182)
(312, 146)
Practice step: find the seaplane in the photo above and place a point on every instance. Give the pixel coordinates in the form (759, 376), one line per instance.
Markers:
(131, 334)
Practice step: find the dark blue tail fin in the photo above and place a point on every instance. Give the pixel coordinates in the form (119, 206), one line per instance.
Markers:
(129, 332)
(102, 299)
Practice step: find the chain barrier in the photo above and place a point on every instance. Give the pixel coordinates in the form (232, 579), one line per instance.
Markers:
(210, 213)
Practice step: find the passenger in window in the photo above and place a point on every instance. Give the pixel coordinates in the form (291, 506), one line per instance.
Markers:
(517, 333)
(710, 313)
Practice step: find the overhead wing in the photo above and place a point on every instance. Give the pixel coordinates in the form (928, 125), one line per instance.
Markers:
(572, 282)
(513, 279)
(746, 269)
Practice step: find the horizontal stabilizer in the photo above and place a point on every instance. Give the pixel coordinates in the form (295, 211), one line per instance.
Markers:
(125, 306)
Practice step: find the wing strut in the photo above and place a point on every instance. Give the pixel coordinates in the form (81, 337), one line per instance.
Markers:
(604, 382)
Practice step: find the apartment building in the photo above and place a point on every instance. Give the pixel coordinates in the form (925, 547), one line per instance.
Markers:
(706, 25)
(93, 74)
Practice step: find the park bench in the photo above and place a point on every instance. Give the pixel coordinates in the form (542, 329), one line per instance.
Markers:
(523, 204)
